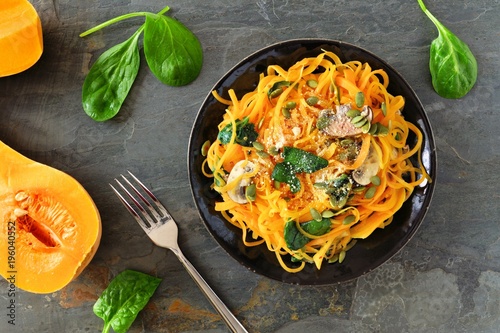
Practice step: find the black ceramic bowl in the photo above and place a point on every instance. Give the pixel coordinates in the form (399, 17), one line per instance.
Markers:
(367, 254)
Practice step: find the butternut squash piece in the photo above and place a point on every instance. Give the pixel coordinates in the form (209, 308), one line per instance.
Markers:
(49, 226)
(21, 41)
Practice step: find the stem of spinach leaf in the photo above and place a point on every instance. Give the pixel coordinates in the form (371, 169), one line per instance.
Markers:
(120, 18)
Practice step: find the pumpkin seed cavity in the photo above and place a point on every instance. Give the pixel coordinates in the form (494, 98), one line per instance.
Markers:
(36, 210)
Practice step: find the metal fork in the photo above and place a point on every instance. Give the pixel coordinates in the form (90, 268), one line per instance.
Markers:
(162, 229)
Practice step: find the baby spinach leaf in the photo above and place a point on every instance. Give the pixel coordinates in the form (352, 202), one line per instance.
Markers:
(172, 51)
(245, 133)
(295, 161)
(110, 78)
(121, 301)
(296, 240)
(452, 65)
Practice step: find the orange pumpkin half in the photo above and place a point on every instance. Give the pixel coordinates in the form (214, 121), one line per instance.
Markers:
(21, 41)
(50, 227)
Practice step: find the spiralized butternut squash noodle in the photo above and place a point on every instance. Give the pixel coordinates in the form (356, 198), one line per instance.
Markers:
(313, 159)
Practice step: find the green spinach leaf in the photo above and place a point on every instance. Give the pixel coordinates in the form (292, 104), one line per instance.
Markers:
(296, 240)
(452, 65)
(121, 301)
(245, 133)
(295, 161)
(172, 51)
(110, 78)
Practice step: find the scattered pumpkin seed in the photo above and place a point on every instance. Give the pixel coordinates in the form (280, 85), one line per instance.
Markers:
(375, 180)
(346, 142)
(341, 256)
(312, 83)
(360, 99)
(313, 100)
(277, 89)
(383, 106)
(353, 113)
(205, 147)
(257, 145)
(333, 259)
(251, 192)
(348, 219)
(382, 130)
(358, 189)
(262, 154)
(373, 129)
(370, 193)
(315, 214)
(321, 185)
(327, 214)
(366, 127)
(273, 150)
(290, 105)
(286, 113)
(360, 123)
(276, 92)
(357, 119)
(277, 184)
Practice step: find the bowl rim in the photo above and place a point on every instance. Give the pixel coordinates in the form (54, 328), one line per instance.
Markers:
(429, 140)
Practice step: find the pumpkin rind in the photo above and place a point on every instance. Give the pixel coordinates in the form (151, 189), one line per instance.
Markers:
(57, 225)
(21, 38)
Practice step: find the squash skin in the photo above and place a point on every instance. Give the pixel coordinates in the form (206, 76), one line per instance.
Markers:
(56, 203)
(21, 37)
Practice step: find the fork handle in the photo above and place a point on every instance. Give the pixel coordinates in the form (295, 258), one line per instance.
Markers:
(216, 302)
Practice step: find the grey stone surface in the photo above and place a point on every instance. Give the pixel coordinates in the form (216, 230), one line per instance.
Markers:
(447, 279)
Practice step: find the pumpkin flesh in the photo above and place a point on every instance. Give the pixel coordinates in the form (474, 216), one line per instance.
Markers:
(57, 225)
(21, 39)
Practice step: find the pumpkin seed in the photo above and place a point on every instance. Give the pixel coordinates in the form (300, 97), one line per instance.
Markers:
(277, 184)
(366, 127)
(276, 92)
(313, 100)
(262, 154)
(312, 83)
(290, 105)
(349, 219)
(358, 189)
(341, 256)
(321, 185)
(353, 113)
(357, 119)
(360, 99)
(21, 196)
(382, 130)
(315, 214)
(373, 129)
(273, 150)
(205, 147)
(370, 193)
(251, 192)
(360, 123)
(18, 212)
(257, 145)
(327, 214)
(383, 106)
(286, 113)
(375, 180)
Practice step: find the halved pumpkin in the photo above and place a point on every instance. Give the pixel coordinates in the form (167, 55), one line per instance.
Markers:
(50, 227)
(21, 39)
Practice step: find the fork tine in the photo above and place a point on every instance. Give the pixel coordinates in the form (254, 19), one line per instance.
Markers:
(157, 202)
(144, 225)
(144, 212)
